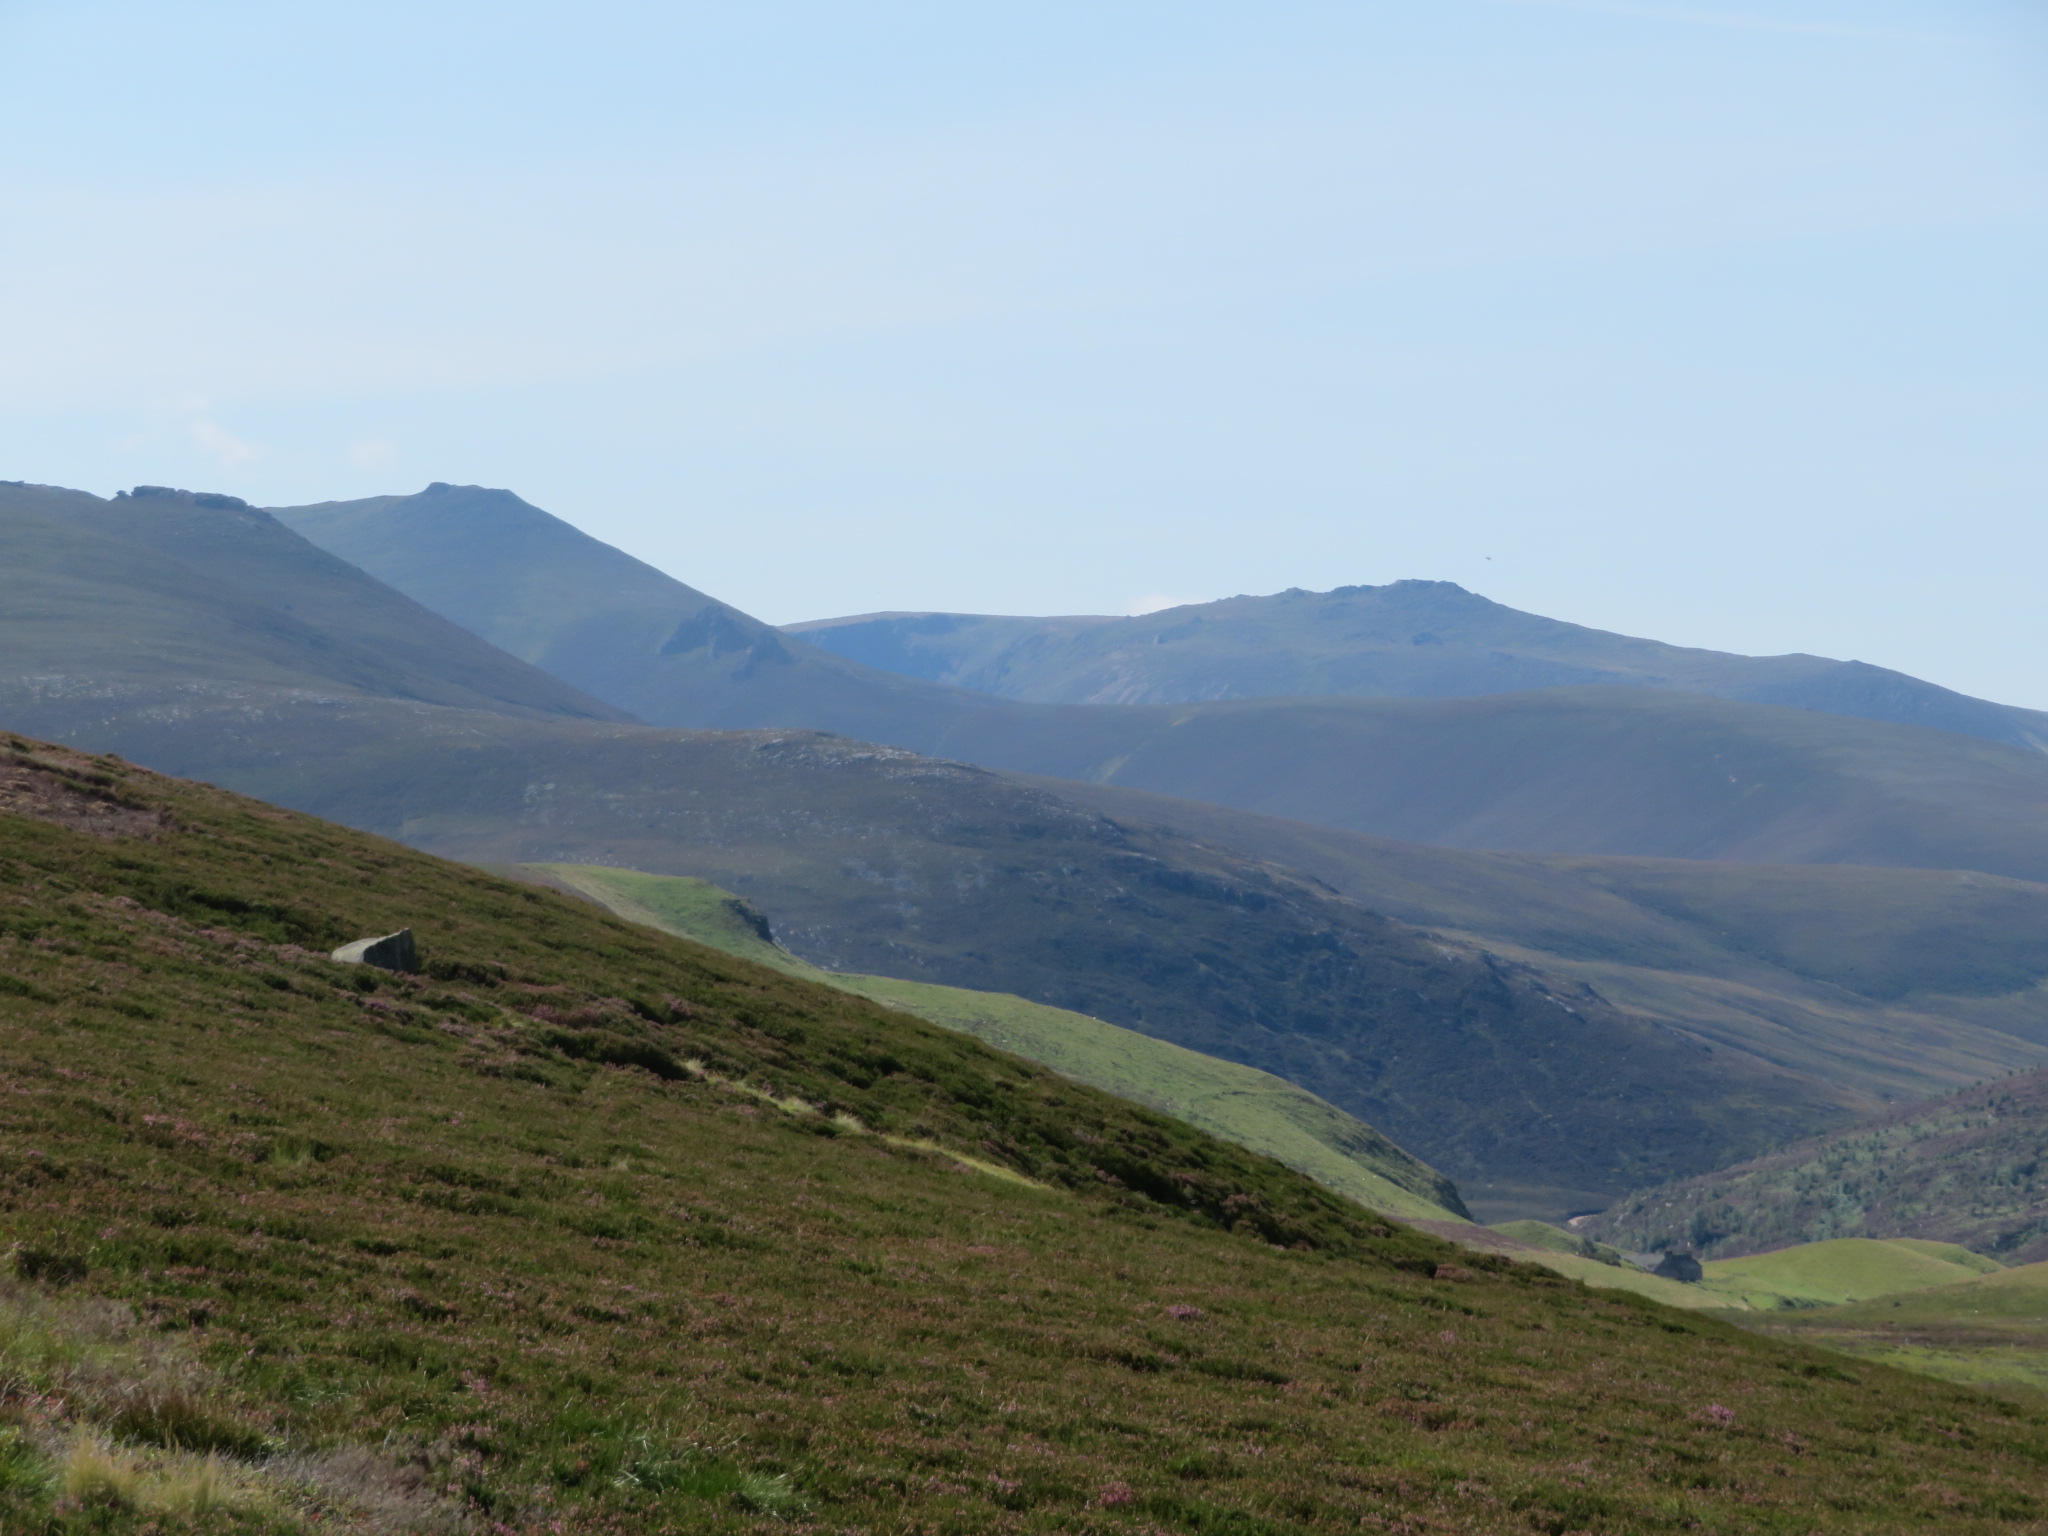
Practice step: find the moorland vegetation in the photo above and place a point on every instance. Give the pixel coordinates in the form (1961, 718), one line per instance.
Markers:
(590, 1229)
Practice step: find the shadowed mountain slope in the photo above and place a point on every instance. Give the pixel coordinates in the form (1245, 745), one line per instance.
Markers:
(590, 1230)
(1968, 1168)
(1409, 639)
(1909, 981)
(1625, 770)
(132, 597)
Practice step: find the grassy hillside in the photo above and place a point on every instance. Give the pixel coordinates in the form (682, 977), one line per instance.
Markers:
(872, 862)
(1253, 1109)
(589, 1229)
(1989, 1332)
(1409, 639)
(1556, 1239)
(1970, 1168)
(1754, 1290)
(887, 864)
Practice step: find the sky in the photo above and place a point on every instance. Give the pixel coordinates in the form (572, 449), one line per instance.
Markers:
(1721, 323)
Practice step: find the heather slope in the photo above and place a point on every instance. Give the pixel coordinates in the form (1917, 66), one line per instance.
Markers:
(590, 1229)
(885, 863)
(1409, 639)
(1251, 1108)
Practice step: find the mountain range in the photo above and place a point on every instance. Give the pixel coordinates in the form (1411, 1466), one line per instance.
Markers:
(1606, 769)
(1548, 1030)
(1408, 639)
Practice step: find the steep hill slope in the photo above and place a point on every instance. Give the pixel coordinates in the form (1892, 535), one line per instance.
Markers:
(1251, 1108)
(147, 596)
(590, 1230)
(1409, 639)
(1623, 770)
(1970, 1168)
(1250, 983)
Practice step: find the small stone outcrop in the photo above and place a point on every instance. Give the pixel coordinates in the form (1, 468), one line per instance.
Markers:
(393, 952)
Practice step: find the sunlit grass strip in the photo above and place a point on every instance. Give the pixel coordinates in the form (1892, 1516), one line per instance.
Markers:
(789, 1104)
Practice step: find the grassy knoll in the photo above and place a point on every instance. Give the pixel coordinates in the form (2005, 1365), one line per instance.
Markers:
(1990, 1331)
(592, 1230)
(1840, 1270)
(1240, 1104)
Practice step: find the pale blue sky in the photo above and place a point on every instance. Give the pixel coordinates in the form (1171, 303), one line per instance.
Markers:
(1722, 323)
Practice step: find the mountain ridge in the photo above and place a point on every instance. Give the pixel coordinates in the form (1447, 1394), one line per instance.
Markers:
(1595, 770)
(1405, 639)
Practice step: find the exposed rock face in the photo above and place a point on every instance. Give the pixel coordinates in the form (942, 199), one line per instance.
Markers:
(393, 952)
(212, 500)
(1681, 1266)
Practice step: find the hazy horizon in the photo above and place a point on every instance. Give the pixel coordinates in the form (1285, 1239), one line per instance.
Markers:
(1718, 326)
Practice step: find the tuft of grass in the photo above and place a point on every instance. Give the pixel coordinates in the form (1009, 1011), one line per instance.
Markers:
(97, 1476)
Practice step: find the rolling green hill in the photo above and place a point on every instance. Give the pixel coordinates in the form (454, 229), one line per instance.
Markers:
(1409, 639)
(1970, 1168)
(1253, 1109)
(1844, 1269)
(587, 1229)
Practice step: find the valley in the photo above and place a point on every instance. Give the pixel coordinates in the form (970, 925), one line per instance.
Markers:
(1699, 974)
